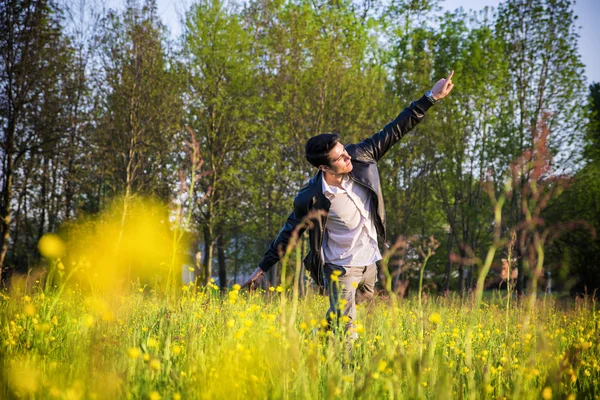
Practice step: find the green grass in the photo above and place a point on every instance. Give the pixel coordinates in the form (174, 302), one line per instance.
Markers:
(241, 345)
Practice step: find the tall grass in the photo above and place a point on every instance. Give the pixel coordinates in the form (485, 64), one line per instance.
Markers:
(204, 345)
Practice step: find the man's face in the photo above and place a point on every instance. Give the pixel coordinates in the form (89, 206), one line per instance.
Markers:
(339, 160)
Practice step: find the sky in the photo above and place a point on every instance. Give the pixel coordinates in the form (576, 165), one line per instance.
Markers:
(588, 12)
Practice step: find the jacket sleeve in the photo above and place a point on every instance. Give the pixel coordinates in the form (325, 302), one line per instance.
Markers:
(271, 256)
(375, 147)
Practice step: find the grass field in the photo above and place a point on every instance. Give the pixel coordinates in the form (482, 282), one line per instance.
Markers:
(204, 344)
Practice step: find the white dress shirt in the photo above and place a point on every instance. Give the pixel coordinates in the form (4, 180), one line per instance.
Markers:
(350, 234)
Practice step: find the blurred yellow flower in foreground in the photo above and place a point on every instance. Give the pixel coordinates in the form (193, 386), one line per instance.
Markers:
(133, 352)
(154, 395)
(88, 320)
(155, 364)
(29, 310)
(547, 393)
(51, 246)
(435, 318)
(24, 378)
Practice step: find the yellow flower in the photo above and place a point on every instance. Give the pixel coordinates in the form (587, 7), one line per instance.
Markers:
(54, 392)
(334, 277)
(51, 246)
(547, 393)
(375, 375)
(176, 396)
(155, 364)
(360, 328)
(230, 323)
(24, 378)
(435, 318)
(133, 353)
(152, 342)
(586, 345)
(176, 350)
(279, 288)
(236, 287)
(29, 310)
(154, 395)
(88, 320)
(271, 288)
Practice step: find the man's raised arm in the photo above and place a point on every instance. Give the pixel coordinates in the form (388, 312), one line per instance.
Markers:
(375, 147)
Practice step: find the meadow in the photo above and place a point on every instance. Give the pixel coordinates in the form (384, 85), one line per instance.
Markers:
(203, 343)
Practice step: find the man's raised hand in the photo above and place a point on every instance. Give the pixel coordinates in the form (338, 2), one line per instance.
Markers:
(442, 87)
(255, 279)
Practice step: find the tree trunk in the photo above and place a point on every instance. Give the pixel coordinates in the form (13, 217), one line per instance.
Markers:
(43, 197)
(208, 255)
(448, 263)
(461, 273)
(221, 259)
(236, 259)
(6, 199)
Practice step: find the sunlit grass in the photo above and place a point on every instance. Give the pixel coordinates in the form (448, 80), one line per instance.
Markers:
(107, 322)
(204, 345)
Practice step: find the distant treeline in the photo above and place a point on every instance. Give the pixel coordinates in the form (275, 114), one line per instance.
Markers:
(101, 104)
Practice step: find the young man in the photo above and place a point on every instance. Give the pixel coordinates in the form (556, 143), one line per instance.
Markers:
(345, 205)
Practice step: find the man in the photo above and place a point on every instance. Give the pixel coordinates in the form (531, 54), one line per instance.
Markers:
(345, 206)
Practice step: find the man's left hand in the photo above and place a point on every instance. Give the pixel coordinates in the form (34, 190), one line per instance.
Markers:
(442, 87)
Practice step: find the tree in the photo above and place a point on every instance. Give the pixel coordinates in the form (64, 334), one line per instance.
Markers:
(140, 112)
(222, 106)
(575, 256)
(33, 57)
(545, 76)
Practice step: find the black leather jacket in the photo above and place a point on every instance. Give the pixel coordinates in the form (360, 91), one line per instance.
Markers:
(310, 199)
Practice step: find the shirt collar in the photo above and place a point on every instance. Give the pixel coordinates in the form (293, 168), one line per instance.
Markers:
(329, 191)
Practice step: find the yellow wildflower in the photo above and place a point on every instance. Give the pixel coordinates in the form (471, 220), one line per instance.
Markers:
(435, 318)
(29, 310)
(176, 350)
(51, 246)
(547, 393)
(155, 364)
(133, 352)
(154, 395)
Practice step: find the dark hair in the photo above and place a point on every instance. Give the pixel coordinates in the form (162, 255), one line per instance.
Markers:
(318, 147)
